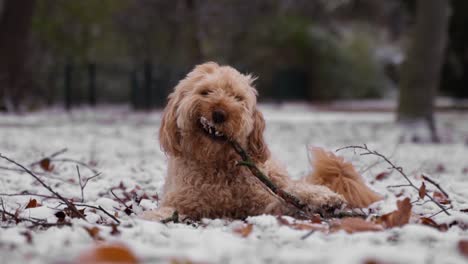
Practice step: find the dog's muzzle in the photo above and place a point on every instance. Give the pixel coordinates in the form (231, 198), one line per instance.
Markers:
(210, 128)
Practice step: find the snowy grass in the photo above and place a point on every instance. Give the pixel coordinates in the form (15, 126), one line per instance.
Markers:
(123, 146)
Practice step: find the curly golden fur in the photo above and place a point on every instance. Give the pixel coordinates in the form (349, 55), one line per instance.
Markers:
(213, 103)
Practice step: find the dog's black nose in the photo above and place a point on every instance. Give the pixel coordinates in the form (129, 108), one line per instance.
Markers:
(219, 116)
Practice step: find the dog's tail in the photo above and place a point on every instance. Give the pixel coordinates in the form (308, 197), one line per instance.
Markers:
(341, 177)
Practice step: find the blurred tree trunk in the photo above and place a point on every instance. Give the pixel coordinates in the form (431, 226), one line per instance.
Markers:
(422, 68)
(194, 51)
(15, 26)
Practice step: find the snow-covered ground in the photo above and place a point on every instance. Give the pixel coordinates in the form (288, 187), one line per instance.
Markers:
(123, 146)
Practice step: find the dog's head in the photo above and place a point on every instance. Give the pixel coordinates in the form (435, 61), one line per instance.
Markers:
(212, 105)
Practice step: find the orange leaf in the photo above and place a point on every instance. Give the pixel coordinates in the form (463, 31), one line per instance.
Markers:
(303, 225)
(94, 232)
(354, 224)
(32, 204)
(108, 254)
(399, 217)
(463, 247)
(441, 198)
(429, 222)
(245, 230)
(46, 164)
(422, 191)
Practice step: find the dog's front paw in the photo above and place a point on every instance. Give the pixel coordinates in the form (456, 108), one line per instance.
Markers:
(319, 199)
(331, 203)
(159, 214)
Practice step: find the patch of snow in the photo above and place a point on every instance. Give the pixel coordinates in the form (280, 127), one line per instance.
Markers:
(123, 146)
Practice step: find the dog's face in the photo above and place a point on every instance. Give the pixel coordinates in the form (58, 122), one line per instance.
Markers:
(212, 105)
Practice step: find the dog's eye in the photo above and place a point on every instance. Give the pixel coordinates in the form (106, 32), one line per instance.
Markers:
(205, 92)
(239, 98)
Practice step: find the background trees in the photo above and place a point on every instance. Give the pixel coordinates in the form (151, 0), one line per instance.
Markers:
(302, 50)
(422, 69)
(15, 72)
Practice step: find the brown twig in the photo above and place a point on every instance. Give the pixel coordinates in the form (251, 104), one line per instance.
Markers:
(248, 162)
(70, 205)
(77, 162)
(53, 155)
(367, 151)
(18, 170)
(85, 182)
(100, 208)
(25, 193)
(36, 222)
(127, 209)
(426, 178)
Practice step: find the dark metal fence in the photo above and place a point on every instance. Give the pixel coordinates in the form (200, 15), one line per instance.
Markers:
(144, 86)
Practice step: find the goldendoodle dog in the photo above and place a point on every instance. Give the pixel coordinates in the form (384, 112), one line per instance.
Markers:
(214, 103)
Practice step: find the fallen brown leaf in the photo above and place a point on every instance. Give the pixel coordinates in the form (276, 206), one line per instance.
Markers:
(354, 224)
(94, 232)
(244, 231)
(441, 198)
(429, 222)
(46, 164)
(383, 175)
(72, 214)
(115, 231)
(114, 253)
(32, 204)
(422, 191)
(399, 217)
(463, 247)
(303, 225)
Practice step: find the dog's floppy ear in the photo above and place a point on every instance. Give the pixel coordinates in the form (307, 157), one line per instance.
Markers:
(256, 143)
(169, 136)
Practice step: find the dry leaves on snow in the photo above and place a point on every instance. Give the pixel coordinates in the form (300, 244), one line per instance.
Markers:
(312, 225)
(32, 204)
(399, 217)
(94, 232)
(354, 224)
(429, 222)
(245, 230)
(441, 198)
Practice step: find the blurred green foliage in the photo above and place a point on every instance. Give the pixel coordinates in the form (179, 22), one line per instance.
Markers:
(80, 31)
(294, 49)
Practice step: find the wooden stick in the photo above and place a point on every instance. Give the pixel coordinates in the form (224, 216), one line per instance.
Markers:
(248, 162)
